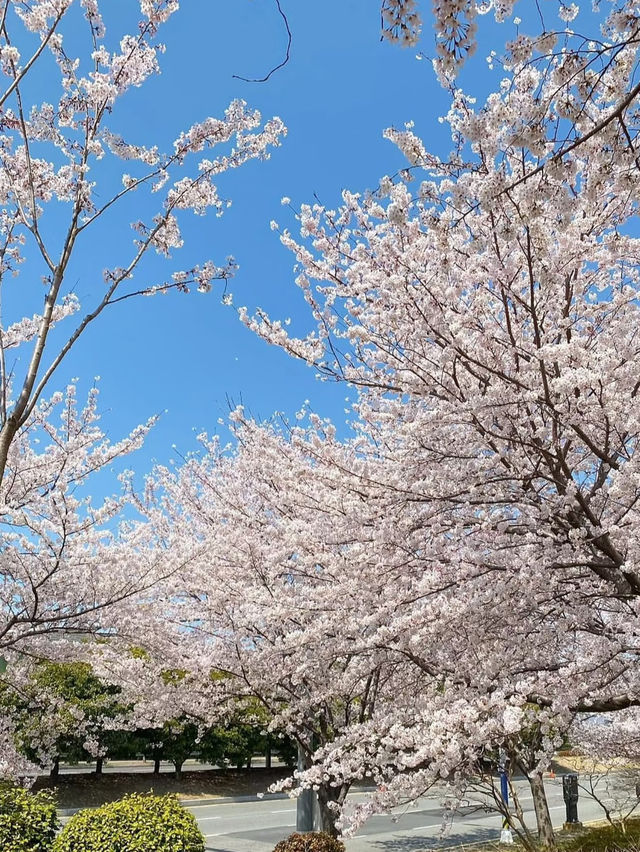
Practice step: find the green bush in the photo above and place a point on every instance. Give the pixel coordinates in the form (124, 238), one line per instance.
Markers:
(136, 823)
(28, 821)
(313, 841)
(607, 838)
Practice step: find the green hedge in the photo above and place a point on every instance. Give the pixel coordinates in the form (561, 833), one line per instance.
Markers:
(136, 823)
(28, 821)
(313, 841)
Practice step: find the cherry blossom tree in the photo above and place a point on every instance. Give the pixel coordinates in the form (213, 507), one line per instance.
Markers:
(307, 590)
(255, 614)
(485, 309)
(65, 167)
(79, 131)
(399, 601)
(62, 564)
(40, 513)
(488, 321)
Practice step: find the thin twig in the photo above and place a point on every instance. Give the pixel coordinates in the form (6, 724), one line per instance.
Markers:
(284, 61)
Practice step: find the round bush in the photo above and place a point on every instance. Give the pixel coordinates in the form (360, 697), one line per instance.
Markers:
(136, 823)
(313, 841)
(28, 821)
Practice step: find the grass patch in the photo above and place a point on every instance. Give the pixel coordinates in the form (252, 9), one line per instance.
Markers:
(603, 837)
(606, 838)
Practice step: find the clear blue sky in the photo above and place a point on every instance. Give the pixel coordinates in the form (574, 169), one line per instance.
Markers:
(340, 90)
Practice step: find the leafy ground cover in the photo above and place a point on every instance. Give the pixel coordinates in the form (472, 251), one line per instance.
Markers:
(600, 837)
(606, 838)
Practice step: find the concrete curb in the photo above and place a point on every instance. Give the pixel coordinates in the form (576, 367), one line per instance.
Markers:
(227, 800)
(65, 812)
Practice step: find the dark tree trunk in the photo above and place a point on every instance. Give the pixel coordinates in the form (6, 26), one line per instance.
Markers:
(543, 818)
(156, 766)
(267, 758)
(99, 765)
(249, 759)
(327, 815)
(178, 767)
(55, 769)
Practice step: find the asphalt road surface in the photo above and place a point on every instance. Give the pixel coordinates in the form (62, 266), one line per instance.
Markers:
(257, 826)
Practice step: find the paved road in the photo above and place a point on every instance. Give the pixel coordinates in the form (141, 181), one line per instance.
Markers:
(258, 826)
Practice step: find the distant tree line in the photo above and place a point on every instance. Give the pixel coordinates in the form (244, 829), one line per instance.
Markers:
(64, 713)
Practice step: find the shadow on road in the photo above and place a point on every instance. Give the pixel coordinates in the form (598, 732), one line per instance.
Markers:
(267, 836)
(420, 842)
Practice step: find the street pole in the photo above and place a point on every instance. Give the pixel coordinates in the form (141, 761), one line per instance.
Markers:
(505, 835)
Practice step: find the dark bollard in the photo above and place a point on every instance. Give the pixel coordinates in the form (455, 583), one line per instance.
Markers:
(570, 796)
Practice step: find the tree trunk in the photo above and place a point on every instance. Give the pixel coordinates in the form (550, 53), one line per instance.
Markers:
(99, 764)
(327, 815)
(249, 759)
(12, 423)
(55, 769)
(178, 767)
(543, 818)
(7, 435)
(267, 758)
(156, 766)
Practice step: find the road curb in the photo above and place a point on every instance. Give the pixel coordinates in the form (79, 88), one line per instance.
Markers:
(221, 800)
(64, 812)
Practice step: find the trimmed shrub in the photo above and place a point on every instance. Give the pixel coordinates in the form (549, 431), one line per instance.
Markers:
(136, 823)
(313, 841)
(28, 821)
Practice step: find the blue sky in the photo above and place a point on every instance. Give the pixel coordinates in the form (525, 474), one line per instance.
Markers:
(186, 355)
